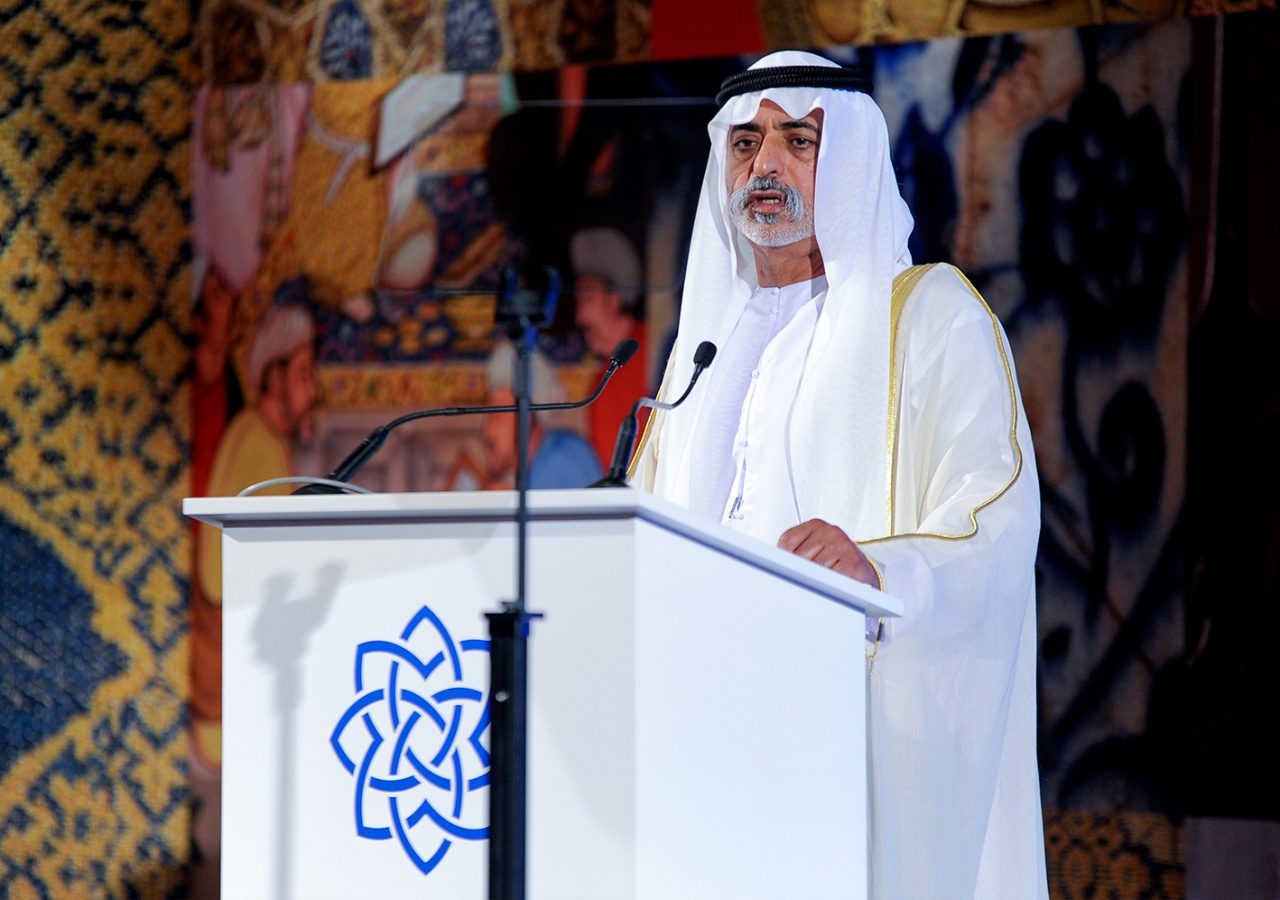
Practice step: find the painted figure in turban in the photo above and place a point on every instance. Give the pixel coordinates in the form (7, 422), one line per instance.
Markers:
(257, 445)
(864, 413)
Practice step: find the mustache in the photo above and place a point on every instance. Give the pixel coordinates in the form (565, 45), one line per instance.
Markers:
(741, 199)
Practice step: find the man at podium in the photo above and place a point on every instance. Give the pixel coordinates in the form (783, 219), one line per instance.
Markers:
(864, 413)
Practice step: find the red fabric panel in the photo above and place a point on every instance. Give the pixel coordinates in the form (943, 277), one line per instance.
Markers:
(691, 29)
(629, 384)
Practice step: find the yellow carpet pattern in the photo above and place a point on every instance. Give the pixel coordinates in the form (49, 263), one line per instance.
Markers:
(1113, 856)
(94, 196)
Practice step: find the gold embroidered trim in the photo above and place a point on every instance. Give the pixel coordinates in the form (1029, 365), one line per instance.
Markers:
(1013, 436)
(648, 425)
(879, 574)
(875, 650)
(880, 622)
(904, 284)
(644, 436)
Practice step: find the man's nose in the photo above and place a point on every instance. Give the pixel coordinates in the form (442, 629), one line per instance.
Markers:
(770, 158)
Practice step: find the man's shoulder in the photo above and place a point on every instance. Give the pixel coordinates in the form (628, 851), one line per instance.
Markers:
(936, 298)
(562, 440)
(248, 452)
(248, 427)
(565, 459)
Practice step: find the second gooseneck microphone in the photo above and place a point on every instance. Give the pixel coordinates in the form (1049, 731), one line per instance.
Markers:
(625, 444)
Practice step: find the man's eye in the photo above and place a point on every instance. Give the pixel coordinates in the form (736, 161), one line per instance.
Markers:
(802, 142)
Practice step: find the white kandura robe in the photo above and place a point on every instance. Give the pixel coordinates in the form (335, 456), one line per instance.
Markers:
(757, 372)
(954, 786)
(955, 790)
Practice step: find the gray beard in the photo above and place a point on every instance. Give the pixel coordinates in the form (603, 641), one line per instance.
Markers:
(769, 229)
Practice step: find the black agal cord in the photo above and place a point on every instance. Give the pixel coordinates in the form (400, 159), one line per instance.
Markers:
(753, 80)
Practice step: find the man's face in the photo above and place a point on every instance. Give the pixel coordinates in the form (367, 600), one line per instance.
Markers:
(771, 165)
(293, 386)
(599, 312)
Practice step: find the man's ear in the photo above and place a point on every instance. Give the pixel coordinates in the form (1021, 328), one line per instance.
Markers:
(272, 379)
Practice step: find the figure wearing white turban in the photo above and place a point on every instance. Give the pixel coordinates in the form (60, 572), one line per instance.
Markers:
(881, 399)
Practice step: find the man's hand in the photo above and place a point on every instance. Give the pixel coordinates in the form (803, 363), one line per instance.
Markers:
(828, 546)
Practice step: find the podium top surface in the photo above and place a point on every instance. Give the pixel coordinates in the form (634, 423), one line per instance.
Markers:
(544, 506)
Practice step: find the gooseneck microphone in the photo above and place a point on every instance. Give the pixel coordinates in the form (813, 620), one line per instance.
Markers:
(355, 460)
(625, 444)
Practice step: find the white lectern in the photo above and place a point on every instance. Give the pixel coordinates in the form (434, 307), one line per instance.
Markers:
(697, 700)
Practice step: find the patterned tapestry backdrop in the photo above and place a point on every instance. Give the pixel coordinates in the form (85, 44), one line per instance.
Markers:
(1050, 165)
(244, 41)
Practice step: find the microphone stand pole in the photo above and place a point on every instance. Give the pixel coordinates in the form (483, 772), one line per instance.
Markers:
(508, 649)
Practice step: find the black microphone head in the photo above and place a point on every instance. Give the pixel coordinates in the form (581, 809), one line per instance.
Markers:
(626, 349)
(704, 354)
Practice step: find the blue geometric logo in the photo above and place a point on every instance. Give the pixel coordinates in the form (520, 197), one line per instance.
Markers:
(413, 740)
